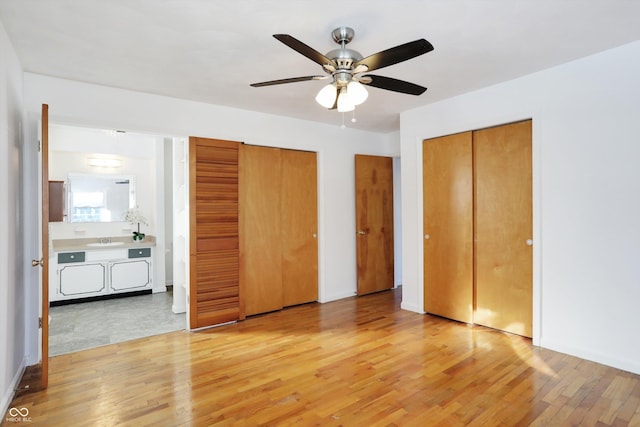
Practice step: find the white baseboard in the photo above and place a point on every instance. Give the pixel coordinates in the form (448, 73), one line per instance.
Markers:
(411, 307)
(179, 309)
(624, 364)
(336, 297)
(7, 395)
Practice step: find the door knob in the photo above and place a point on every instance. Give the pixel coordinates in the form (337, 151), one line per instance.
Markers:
(529, 242)
(37, 262)
(362, 232)
(426, 237)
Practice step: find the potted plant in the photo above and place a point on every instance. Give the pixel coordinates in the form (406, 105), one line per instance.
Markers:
(134, 216)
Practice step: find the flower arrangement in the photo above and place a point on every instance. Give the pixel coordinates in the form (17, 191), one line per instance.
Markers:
(134, 216)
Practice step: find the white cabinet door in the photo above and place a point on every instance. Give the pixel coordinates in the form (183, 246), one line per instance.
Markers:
(128, 275)
(80, 280)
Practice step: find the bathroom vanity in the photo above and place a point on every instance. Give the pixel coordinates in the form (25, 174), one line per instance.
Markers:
(85, 268)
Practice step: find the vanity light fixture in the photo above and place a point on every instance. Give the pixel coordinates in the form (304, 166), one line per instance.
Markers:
(103, 162)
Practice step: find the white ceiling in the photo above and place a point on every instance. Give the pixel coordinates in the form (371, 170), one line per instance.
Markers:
(211, 50)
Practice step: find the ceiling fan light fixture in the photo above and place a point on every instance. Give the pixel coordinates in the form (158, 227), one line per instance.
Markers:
(344, 101)
(327, 96)
(357, 92)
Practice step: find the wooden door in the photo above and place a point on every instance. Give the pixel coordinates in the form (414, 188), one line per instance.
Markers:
(448, 226)
(214, 289)
(503, 228)
(261, 228)
(299, 222)
(374, 223)
(44, 235)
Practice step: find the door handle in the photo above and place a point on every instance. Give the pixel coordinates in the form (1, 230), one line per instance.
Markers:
(361, 232)
(37, 262)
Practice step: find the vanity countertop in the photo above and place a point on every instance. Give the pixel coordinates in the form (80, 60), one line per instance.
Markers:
(93, 243)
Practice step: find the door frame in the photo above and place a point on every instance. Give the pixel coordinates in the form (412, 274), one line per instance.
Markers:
(43, 234)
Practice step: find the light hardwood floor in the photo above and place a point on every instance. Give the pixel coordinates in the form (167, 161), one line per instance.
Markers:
(355, 362)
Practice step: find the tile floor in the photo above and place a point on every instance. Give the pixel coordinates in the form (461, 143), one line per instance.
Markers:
(85, 325)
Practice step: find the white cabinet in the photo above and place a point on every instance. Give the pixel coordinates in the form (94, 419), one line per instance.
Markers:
(130, 275)
(80, 280)
(94, 273)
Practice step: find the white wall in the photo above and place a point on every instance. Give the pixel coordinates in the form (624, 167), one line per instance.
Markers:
(97, 106)
(586, 142)
(12, 245)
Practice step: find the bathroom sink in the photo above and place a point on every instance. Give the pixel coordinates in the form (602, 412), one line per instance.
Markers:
(106, 244)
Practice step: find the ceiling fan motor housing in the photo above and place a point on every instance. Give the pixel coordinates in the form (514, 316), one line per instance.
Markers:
(344, 58)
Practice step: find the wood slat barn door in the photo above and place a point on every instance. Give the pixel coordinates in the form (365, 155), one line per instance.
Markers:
(503, 227)
(374, 223)
(214, 291)
(299, 227)
(448, 226)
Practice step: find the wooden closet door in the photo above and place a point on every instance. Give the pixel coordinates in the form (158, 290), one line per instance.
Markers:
(503, 228)
(374, 223)
(214, 289)
(448, 226)
(299, 216)
(261, 257)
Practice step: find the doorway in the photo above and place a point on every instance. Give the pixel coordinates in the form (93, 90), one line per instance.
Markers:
(104, 286)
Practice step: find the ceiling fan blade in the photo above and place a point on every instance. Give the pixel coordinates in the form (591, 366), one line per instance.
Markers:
(291, 80)
(394, 85)
(395, 54)
(305, 50)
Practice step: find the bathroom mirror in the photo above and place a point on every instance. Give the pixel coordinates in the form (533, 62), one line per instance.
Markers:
(99, 197)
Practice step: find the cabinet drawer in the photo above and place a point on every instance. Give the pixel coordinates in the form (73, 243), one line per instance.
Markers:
(140, 253)
(67, 257)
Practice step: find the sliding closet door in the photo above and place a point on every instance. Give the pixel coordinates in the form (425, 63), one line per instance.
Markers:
(261, 175)
(214, 290)
(448, 226)
(503, 227)
(299, 227)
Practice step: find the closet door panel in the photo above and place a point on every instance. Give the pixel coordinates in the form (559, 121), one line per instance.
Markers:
(448, 226)
(503, 224)
(299, 227)
(261, 249)
(214, 289)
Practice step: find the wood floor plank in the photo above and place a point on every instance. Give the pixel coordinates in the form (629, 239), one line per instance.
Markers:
(354, 362)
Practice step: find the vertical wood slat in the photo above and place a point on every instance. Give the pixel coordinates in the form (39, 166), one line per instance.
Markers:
(215, 289)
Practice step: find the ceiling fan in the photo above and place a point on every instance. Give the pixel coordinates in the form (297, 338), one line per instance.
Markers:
(345, 68)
